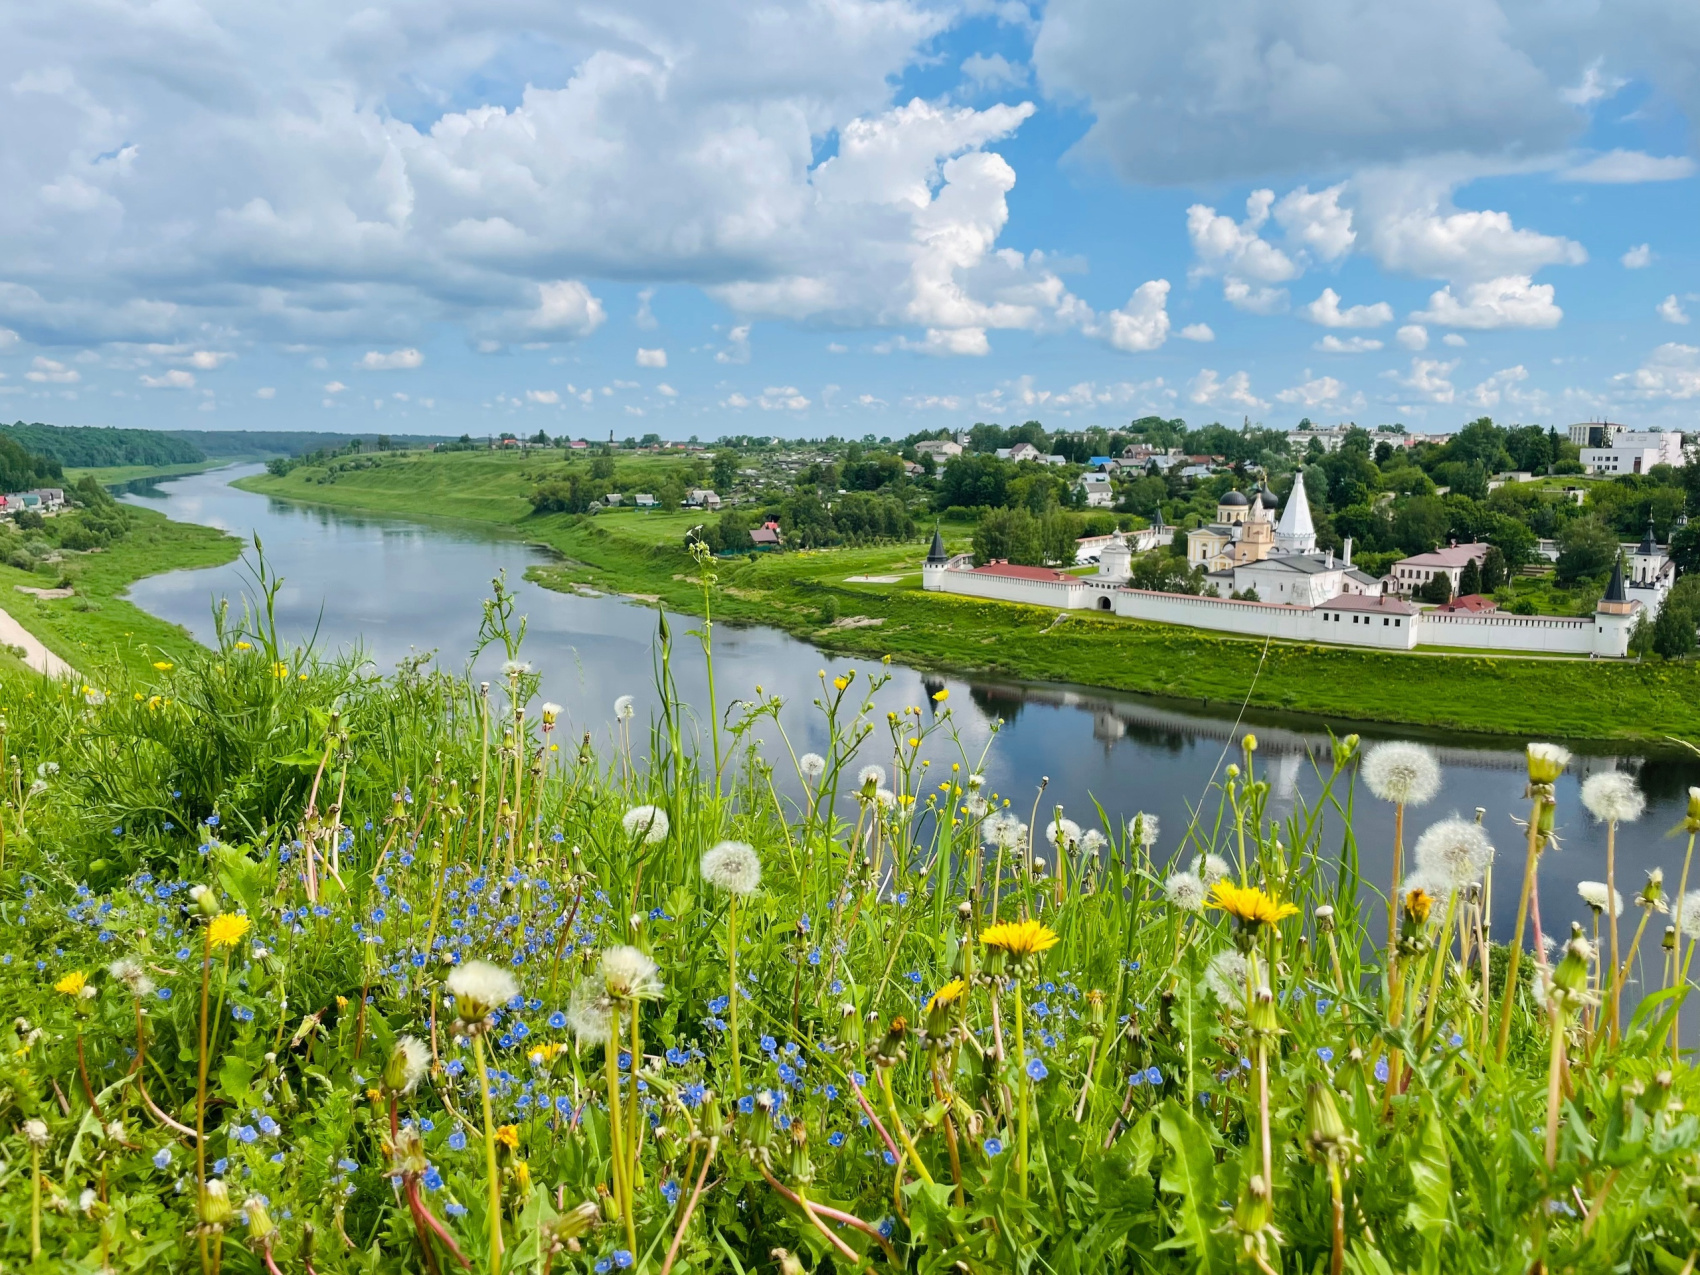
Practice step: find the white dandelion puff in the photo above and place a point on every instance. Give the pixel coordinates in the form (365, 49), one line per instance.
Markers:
(813, 765)
(1063, 833)
(1143, 829)
(976, 781)
(1453, 854)
(1404, 774)
(1688, 914)
(885, 798)
(647, 823)
(1612, 797)
(1184, 890)
(1226, 976)
(414, 1058)
(590, 1014)
(1211, 868)
(130, 973)
(514, 668)
(630, 974)
(870, 776)
(479, 988)
(1092, 841)
(625, 708)
(976, 805)
(1004, 831)
(1595, 894)
(732, 866)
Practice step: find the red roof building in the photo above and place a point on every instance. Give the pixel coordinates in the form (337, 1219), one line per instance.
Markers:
(1473, 603)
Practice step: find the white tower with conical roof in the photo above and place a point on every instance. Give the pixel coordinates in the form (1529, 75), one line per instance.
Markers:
(1295, 533)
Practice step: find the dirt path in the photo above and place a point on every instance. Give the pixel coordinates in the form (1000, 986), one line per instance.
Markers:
(37, 656)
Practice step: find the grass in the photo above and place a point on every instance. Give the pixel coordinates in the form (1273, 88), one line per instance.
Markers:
(642, 555)
(389, 962)
(111, 475)
(97, 625)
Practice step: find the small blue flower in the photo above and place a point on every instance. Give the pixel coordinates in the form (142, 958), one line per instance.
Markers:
(347, 1165)
(454, 1209)
(623, 1259)
(1455, 1040)
(1381, 1070)
(557, 1020)
(220, 1165)
(1036, 1069)
(890, 1159)
(433, 1180)
(1325, 1053)
(1153, 1076)
(162, 1158)
(834, 1139)
(457, 1141)
(994, 1146)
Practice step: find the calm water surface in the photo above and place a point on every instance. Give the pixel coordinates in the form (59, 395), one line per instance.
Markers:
(394, 589)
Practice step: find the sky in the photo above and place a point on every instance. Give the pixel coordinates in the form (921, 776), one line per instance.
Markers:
(850, 217)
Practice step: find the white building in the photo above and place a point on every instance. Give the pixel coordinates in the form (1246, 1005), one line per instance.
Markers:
(1651, 574)
(702, 498)
(1595, 433)
(1410, 574)
(1635, 452)
(1329, 436)
(940, 449)
(1097, 488)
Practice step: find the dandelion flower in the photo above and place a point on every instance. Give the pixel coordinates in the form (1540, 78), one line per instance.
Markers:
(813, 765)
(1688, 914)
(1595, 895)
(130, 973)
(72, 984)
(227, 929)
(480, 988)
(1063, 833)
(870, 776)
(590, 1014)
(1143, 829)
(630, 974)
(514, 668)
(1249, 905)
(1185, 890)
(1211, 869)
(1404, 774)
(1612, 797)
(1004, 831)
(949, 994)
(625, 708)
(1020, 938)
(1092, 841)
(732, 866)
(406, 1065)
(885, 798)
(1453, 854)
(1226, 976)
(1547, 762)
(647, 823)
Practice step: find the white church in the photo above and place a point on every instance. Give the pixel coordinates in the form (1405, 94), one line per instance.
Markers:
(1270, 580)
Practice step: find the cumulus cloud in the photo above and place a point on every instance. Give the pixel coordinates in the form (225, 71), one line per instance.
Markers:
(1332, 344)
(993, 71)
(1637, 258)
(394, 361)
(666, 390)
(1235, 248)
(1312, 393)
(1412, 226)
(546, 397)
(565, 307)
(1671, 373)
(1207, 389)
(335, 387)
(651, 358)
(737, 346)
(174, 379)
(1671, 311)
(931, 402)
(788, 398)
(1413, 336)
(1621, 167)
(1326, 311)
(1498, 386)
(51, 372)
(1253, 300)
(1318, 222)
(209, 360)
(1514, 301)
(266, 391)
(1196, 332)
(8, 338)
(1429, 379)
(1143, 323)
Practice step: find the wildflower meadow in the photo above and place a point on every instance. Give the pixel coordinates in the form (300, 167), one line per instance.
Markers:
(312, 969)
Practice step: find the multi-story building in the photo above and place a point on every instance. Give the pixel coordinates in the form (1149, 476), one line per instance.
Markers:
(1635, 452)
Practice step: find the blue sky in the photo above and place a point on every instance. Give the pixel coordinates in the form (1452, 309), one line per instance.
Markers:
(847, 216)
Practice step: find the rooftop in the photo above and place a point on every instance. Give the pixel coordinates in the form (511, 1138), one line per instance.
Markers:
(1375, 604)
(1009, 571)
(1451, 556)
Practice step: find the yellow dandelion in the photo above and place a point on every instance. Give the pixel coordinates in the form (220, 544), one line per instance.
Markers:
(940, 696)
(522, 1176)
(1418, 904)
(72, 984)
(164, 666)
(949, 994)
(508, 1136)
(1020, 938)
(1248, 905)
(280, 670)
(244, 646)
(840, 683)
(227, 929)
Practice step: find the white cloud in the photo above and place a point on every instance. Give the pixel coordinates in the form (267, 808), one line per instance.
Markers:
(335, 387)
(1498, 386)
(1671, 372)
(209, 360)
(645, 317)
(735, 400)
(737, 346)
(932, 402)
(651, 358)
(666, 390)
(565, 307)
(1313, 393)
(1143, 323)
(546, 397)
(266, 391)
(1413, 336)
(394, 361)
(1236, 249)
(8, 338)
(1332, 344)
(1454, 340)
(1317, 222)
(837, 347)
(1209, 390)
(947, 341)
(1621, 167)
(993, 71)
(1326, 311)
(1671, 311)
(1196, 332)
(788, 398)
(1637, 258)
(1594, 87)
(1411, 226)
(1429, 379)
(1513, 301)
(48, 371)
(174, 379)
(1242, 296)
(869, 400)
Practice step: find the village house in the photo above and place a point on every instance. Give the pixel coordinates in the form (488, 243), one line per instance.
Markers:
(645, 500)
(940, 449)
(1097, 489)
(701, 498)
(1410, 574)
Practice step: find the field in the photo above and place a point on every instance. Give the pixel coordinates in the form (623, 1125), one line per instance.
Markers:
(110, 475)
(321, 973)
(810, 595)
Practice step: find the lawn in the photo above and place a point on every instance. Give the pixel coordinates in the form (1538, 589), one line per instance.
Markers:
(809, 594)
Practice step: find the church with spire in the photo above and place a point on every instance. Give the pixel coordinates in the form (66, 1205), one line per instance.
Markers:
(1246, 552)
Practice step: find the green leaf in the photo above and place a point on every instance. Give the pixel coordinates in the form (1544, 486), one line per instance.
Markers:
(1429, 1213)
(1190, 1172)
(234, 1077)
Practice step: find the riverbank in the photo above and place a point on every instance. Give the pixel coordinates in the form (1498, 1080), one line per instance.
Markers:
(815, 596)
(96, 625)
(114, 475)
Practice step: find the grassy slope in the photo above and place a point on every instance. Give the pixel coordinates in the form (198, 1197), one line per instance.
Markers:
(110, 474)
(117, 629)
(638, 554)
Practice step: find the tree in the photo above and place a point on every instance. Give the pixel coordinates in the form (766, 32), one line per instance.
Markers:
(1685, 547)
(973, 480)
(1585, 549)
(1493, 569)
(1437, 589)
(725, 470)
(1419, 523)
(602, 467)
(1469, 579)
(1673, 633)
(1641, 638)
(1008, 534)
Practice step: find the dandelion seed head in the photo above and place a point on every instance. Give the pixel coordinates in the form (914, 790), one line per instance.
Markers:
(480, 988)
(1092, 841)
(647, 823)
(409, 1061)
(1185, 890)
(1613, 797)
(1453, 854)
(129, 972)
(732, 866)
(813, 765)
(1144, 829)
(1595, 894)
(625, 708)
(630, 974)
(1226, 976)
(1547, 762)
(870, 776)
(590, 1013)
(885, 798)
(1004, 830)
(1688, 914)
(1211, 868)
(1403, 773)
(1063, 833)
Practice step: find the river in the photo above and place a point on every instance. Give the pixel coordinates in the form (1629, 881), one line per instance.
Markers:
(394, 589)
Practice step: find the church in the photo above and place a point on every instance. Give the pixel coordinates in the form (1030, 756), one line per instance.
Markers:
(1248, 554)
